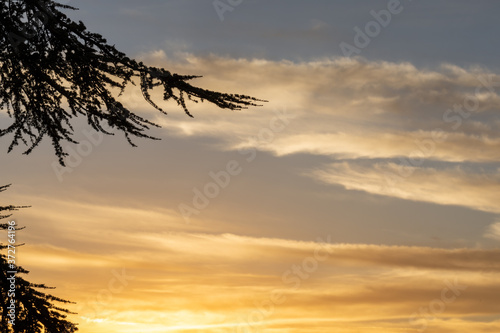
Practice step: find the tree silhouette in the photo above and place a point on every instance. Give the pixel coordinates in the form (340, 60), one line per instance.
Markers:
(34, 310)
(54, 69)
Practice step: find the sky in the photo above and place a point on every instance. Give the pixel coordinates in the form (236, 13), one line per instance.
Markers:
(362, 197)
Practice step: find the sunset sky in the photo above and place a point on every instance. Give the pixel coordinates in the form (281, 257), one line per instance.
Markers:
(363, 197)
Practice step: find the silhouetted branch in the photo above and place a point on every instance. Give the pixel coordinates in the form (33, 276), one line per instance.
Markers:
(48, 60)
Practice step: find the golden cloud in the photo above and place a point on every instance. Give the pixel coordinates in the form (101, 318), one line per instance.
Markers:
(452, 186)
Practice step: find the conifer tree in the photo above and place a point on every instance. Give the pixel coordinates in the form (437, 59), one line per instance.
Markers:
(53, 69)
(35, 311)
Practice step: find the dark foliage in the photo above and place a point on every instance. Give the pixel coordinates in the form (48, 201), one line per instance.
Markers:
(35, 310)
(54, 69)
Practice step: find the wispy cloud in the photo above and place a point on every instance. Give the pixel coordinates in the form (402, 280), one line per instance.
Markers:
(357, 109)
(448, 186)
(353, 283)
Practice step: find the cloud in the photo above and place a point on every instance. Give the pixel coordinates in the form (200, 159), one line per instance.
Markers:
(353, 109)
(349, 108)
(346, 89)
(448, 186)
(222, 280)
(454, 147)
(168, 251)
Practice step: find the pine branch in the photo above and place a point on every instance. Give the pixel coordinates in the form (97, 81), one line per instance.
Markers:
(47, 60)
